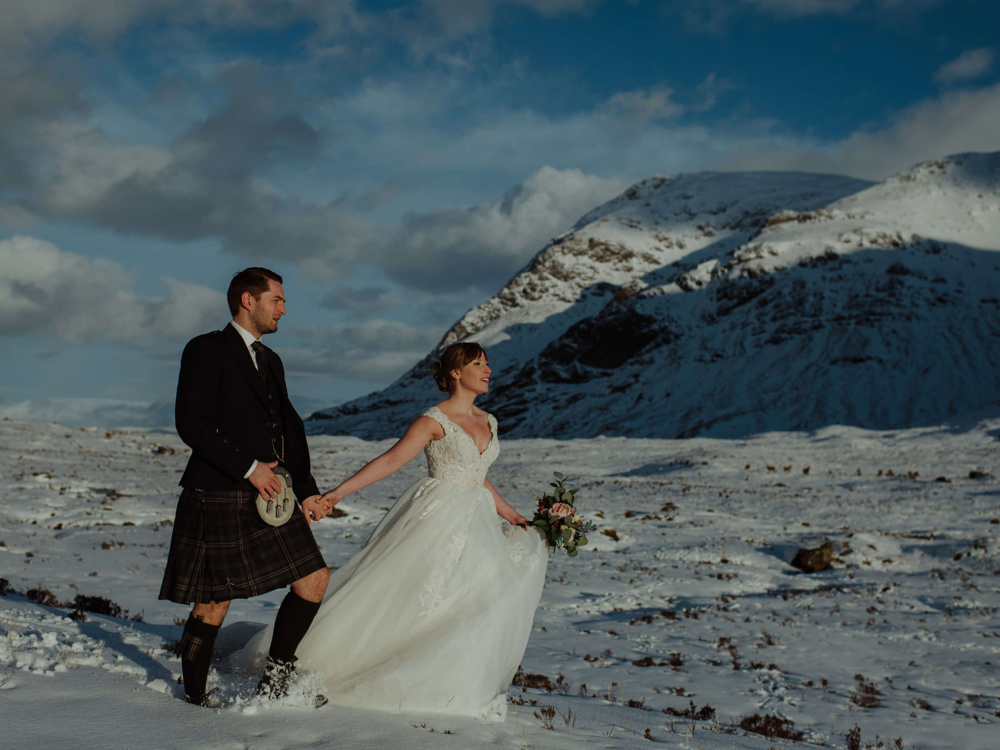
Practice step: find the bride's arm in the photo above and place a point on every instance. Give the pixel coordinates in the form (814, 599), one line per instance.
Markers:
(504, 510)
(420, 432)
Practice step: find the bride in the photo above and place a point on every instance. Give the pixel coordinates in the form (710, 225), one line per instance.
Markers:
(434, 613)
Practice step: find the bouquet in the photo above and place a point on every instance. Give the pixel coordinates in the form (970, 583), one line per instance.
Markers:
(556, 517)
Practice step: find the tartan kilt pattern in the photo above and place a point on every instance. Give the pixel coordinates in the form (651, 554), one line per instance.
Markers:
(221, 549)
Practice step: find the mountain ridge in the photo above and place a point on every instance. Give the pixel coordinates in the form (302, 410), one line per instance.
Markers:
(722, 304)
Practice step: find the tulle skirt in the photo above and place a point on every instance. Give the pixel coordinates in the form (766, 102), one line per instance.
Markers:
(433, 614)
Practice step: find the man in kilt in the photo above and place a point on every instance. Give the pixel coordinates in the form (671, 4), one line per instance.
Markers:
(233, 411)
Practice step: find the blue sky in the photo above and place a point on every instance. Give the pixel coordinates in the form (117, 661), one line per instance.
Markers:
(397, 162)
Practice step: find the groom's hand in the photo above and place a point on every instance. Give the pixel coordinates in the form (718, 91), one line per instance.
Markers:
(265, 480)
(314, 509)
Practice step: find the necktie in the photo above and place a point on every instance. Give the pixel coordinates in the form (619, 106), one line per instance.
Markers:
(260, 351)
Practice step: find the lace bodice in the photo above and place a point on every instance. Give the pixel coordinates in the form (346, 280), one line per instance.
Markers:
(455, 458)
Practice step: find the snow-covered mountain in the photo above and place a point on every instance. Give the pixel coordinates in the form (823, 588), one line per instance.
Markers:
(722, 304)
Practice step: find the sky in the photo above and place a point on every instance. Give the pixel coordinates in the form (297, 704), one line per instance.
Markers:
(398, 162)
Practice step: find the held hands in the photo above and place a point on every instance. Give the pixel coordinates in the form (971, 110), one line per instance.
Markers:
(330, 499)
(266, 482)
(318, 507)
(313, 509)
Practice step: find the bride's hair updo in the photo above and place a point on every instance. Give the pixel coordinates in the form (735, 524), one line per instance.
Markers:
(455, 357)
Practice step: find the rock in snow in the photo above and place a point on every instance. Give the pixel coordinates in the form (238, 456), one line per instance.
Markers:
(721, 304)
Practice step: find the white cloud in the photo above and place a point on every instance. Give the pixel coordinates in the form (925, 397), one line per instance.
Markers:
(635, 110)
(970, 64)
(956, 122)
(483, 245)
(638, 108)
(85, 165)
(47, 292)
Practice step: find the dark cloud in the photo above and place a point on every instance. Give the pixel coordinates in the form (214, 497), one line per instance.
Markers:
(32, 98)
(28, 24)
(373, 199)
(211, 182)
(252, 131)
(374, 351)
(361, 303)
(459, 17)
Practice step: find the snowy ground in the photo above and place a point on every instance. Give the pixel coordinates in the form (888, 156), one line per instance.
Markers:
(695, 603)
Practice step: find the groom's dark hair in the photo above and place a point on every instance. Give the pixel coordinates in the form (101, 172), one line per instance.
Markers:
(253, 280)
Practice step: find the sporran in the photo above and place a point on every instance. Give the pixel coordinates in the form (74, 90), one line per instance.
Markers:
(276, 511)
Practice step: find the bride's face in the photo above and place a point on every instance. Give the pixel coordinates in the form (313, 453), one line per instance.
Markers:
(474, 376)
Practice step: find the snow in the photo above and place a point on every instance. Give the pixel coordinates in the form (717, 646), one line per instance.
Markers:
(725, 304)
(697, 586)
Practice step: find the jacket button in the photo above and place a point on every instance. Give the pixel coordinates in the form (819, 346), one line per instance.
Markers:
(268, 425)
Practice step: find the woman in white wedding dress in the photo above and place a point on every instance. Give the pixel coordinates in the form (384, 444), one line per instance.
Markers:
(434, 613)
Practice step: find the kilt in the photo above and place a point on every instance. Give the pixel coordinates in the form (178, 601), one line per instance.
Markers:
(221, 549)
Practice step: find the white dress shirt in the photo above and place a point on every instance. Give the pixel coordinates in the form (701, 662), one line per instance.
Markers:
(248, 339)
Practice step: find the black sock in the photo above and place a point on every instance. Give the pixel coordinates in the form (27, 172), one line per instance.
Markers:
(294, 618)
(196, 647)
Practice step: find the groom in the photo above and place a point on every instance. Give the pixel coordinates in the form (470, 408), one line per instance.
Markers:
(233, 411)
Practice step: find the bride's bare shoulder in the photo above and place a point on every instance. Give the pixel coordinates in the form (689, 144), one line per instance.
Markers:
(427, 425)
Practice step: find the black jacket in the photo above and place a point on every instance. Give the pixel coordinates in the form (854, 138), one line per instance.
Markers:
(224, 412)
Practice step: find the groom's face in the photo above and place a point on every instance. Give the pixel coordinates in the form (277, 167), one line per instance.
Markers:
(267, 309)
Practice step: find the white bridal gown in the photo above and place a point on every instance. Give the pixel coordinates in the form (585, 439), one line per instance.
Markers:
(434, 613)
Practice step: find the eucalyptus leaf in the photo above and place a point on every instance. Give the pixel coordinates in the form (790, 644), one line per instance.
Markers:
(572, 553)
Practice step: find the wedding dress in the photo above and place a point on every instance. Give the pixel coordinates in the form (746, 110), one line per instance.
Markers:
(435, 611)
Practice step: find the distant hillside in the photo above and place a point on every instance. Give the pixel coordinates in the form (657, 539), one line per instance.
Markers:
(107, 413)
(723, 304)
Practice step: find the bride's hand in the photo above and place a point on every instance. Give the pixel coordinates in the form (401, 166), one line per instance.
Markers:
(519, 520)
(330, 499)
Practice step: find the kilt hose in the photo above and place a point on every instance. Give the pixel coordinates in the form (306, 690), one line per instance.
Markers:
(221, 549)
